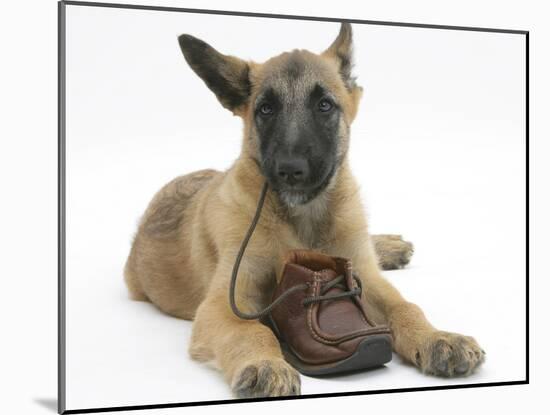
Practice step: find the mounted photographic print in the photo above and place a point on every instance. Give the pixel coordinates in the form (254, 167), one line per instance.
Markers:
(261, 206)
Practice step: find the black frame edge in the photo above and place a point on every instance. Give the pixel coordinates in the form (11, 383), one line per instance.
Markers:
(61, 327)
(527, 204)
(291, 17)
(287, 398)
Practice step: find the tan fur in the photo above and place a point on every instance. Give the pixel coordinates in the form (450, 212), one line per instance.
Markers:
(392, 251)
(185, 248)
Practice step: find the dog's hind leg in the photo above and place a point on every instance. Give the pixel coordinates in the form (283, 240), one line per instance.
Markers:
(134, 287)
(158, 267)
(392, 251)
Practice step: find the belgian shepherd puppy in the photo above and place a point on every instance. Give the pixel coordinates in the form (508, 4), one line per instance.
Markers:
(297, 110)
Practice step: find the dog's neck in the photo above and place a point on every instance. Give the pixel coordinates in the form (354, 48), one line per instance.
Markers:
(311, 222)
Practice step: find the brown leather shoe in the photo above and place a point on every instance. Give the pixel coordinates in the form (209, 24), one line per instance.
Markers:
(323, 327)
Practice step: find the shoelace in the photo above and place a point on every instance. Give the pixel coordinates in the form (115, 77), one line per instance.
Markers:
(336, 282)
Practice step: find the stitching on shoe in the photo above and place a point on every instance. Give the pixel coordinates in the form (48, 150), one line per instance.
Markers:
(349, 267)
(310, 316)
(342, 339)
(317, 335)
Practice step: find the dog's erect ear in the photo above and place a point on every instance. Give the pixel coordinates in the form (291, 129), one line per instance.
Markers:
(342, 51)
(226, 76)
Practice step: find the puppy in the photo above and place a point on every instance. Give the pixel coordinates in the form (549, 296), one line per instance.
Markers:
(297, 109)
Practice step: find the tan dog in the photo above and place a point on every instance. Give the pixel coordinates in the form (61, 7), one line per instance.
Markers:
(297, 109)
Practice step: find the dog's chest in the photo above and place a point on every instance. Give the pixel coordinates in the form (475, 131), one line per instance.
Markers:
(311, 222)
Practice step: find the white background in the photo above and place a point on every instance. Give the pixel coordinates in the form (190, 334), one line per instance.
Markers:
(30, 208)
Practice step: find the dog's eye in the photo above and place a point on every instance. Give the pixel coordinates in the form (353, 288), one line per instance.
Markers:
(266, 109)
(325, 105)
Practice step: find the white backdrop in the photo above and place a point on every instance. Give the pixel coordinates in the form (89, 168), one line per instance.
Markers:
(438, 147)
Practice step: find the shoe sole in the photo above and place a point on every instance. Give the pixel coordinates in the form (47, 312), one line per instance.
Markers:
(373, 351)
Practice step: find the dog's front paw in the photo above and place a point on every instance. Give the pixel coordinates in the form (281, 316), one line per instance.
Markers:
(392, 251)
(266, 378)
(449, 354)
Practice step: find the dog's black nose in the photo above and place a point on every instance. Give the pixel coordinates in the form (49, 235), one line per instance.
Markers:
(292, 171)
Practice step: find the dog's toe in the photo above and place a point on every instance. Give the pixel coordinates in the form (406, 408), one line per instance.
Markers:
(449, 354)
(266, 378)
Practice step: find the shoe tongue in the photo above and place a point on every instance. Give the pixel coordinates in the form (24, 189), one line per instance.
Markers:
(328, 274)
